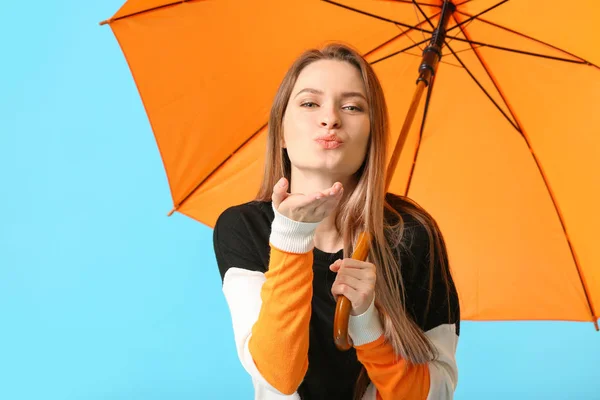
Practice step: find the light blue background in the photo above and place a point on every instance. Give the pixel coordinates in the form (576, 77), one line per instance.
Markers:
(104, 297)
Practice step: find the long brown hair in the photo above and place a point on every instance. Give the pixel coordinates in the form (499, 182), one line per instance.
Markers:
(363, 209)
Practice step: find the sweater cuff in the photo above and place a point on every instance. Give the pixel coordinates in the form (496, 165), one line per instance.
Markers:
(366, 327)
(292, 236)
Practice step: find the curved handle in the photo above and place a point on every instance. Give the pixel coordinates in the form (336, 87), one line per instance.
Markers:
(340, 323)
(343, 306)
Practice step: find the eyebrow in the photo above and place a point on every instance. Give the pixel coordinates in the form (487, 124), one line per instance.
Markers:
(344, 95)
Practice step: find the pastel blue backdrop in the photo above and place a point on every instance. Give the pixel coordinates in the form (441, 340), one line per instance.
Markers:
(102, 296)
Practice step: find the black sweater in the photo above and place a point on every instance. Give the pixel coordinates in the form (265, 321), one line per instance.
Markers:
(241, 243)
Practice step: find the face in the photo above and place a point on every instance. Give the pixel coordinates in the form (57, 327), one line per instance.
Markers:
(329, 102)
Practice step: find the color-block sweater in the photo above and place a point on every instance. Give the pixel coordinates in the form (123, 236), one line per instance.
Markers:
(277, 285)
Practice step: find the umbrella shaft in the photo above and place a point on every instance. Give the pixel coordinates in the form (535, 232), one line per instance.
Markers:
(433, 52)
(431, 57)
(410, 116)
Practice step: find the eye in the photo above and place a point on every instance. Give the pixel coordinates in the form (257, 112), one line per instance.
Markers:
(308, 104)
(353, 108)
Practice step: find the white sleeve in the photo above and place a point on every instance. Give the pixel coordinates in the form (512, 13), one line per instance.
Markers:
(443, 371)
(242, 292)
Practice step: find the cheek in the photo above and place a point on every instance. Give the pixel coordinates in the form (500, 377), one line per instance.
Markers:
(295, 128)
(359, 148)
(363, 136)
(288, 129)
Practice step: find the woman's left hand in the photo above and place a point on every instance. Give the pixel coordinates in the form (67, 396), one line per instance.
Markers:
(355, 280)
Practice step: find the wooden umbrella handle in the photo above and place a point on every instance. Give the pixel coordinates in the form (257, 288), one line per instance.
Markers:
(343, 306)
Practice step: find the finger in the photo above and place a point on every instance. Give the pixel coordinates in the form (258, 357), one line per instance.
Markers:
(356, 264)
(279, 192)
(341, 289)
(327, 202)
(329, 193)
(356, 297)
(334, 189)
(364, 286)
(364, 275)
(321, 204)
(352, 281)
(350, 264)
(335, 267)
(351, 287)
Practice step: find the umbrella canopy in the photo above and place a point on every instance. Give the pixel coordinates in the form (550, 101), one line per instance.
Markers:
(505, 153)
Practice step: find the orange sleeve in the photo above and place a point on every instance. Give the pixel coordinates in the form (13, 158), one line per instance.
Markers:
(279, 340)
(393, 377)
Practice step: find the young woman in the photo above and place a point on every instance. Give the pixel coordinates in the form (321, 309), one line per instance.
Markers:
(286, 256)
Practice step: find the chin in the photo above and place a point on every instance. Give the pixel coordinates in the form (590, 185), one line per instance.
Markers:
(328, 161)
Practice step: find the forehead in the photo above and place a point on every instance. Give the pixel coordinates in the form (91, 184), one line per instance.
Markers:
(330, 75)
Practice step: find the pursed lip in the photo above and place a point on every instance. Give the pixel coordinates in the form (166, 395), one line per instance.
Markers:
(329, 138)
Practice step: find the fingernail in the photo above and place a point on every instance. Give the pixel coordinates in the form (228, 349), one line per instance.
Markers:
(281, 182)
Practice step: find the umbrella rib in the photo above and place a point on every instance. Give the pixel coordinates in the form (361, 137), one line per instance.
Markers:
(415, 3)
(492, 78)
(180, 203)
(403, 50)
(413, 26)
(377, 16)
(111, 20)
(416, 154)
(583, 61)
(427, 4)
(528, 53)
(489, 74)
(399, 51)
(425, 111)
(402, 33)
(410, 2)
(471, 74)
(476, 15)
(546, 183)
(423, 14)
(410, 38)
(517, 127)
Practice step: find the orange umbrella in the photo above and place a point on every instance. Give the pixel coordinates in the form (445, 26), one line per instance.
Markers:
(505, 150)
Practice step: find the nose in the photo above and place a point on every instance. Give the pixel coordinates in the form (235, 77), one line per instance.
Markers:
(330, 118)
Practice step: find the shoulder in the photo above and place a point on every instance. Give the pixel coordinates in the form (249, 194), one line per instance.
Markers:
(412, 213)
(252, 210)
(251, 217)
(421, 236)
(241, 236)
(432, 298)
(418, 225)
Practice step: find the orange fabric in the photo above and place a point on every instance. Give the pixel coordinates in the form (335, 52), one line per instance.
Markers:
(279, 341)
(518, 209)
(393, 378)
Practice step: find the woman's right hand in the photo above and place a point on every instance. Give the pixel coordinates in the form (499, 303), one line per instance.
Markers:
(300, 207)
